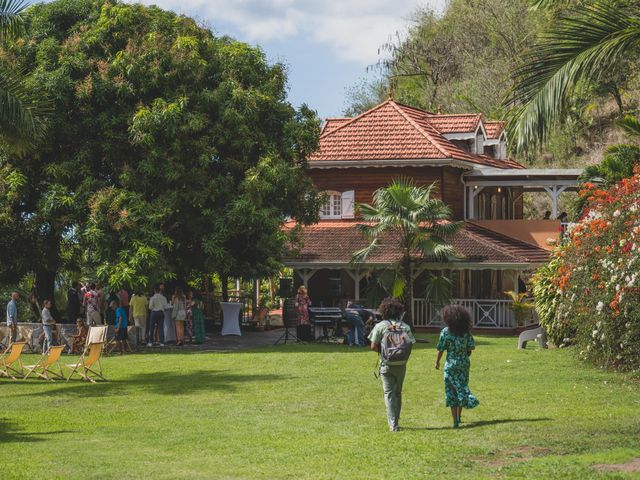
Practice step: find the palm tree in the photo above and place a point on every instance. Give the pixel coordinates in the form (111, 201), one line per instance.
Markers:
(19, 112)
(583, 46)
(419, 224)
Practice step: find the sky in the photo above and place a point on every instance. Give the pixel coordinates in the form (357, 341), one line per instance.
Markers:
(327, 45)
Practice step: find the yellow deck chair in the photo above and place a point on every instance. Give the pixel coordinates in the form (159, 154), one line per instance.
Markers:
(97, 334)
(43, 368)
(86, 366)
(10, 358)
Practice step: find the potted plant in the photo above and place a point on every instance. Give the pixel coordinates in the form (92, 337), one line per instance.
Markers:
(520, 306)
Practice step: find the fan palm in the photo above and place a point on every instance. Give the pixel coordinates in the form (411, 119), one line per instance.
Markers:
(19, 124)
(582, 46)
(418, 223)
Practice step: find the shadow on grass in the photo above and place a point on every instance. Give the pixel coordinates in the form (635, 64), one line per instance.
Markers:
(160, 383)
(10, 433)
(482, 423)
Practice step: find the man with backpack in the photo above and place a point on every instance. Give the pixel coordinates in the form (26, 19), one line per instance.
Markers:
(393, 340)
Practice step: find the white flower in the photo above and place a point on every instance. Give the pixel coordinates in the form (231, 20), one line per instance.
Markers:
(623, 242)
(602, 338)
(594, 334)
(616, 213)
(599, 307)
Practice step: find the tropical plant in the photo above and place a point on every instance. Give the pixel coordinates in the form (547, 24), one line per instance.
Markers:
(411, 217)
(589, 293)
(520, 306)
(586, 43)
(19, 110)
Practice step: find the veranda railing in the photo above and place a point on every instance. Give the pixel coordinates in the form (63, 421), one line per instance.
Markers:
(486, 313)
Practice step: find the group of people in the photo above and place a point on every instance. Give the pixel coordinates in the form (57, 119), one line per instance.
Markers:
(392, 339)
(88, 305)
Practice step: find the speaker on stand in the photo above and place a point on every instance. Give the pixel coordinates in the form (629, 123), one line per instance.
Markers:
(289, 314)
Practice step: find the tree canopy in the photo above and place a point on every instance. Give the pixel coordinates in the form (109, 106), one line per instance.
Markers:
(170, 151)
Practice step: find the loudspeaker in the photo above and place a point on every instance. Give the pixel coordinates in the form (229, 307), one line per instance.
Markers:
(285, 289)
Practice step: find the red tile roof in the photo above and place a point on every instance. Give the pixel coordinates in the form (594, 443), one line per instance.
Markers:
(330, 124)
(392, 131)
(493, 129)
(334, 241)
(461, 123)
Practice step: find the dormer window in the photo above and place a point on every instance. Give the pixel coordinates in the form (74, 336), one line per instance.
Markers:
(338, 205)
(332, 206)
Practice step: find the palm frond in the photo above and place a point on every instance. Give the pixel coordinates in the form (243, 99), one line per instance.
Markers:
(20, 113)
(581, 47)
(631, 125)
(362, 254)
(11, 17)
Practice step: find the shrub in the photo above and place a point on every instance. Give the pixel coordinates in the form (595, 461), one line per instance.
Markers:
(589, 292)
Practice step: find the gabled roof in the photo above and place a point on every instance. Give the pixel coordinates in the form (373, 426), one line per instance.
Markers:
(392, 131)
(456, 123)
(493, 129)
(330, 124)
(332, 242)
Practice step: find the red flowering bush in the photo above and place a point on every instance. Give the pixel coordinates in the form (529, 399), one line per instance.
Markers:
(589, 294)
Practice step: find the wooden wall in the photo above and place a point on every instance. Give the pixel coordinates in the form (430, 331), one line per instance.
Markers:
(453, 191)
(366, 181)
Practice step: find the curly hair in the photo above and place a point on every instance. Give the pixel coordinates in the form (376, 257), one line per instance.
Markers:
(391, 309)
(457, 318)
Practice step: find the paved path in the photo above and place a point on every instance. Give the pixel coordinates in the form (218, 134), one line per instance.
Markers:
(217, 343)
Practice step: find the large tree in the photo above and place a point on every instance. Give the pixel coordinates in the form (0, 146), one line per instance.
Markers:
(169, 151)
(416, 221)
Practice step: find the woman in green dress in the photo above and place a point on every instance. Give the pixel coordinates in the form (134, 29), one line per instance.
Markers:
(197, 314)
(456, 340)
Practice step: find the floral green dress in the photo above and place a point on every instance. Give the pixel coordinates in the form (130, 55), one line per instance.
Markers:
(456, 369)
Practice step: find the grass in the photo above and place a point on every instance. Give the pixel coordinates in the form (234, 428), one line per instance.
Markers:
(316, 411)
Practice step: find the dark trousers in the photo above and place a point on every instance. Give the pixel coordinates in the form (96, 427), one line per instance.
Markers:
(157, 318)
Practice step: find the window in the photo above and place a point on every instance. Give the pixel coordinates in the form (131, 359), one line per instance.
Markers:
(332, 206)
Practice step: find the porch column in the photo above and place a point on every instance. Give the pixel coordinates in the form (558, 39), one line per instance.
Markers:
(305, 274)
(356, 276)
(474, 191)
(554, 192)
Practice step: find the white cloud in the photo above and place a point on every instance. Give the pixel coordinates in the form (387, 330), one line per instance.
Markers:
(352, 29)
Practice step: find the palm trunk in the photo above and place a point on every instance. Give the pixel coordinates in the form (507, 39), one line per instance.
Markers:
(407, 273)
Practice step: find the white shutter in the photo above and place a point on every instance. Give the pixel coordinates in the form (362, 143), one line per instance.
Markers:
(348, 199)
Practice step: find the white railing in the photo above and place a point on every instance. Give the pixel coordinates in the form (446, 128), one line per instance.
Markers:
(486, 313)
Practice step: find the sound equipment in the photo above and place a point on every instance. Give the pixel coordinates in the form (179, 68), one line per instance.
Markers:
(290, 321)
(285, 289)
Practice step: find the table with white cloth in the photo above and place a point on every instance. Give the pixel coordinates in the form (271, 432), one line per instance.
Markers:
(169, 325)
(231, 318)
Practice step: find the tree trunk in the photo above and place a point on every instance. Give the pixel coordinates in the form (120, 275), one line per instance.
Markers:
(224, 281)
(408, 291)
(615, 92)
(45, 289)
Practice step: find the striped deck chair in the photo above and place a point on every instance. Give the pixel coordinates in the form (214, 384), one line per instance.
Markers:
(10, 358)
(89, 364)
(43, 368)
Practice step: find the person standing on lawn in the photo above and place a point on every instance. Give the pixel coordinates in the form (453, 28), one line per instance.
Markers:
(392, 339)
(157, 305)
(121, 327)
(456, 340)
(12, 316)
(138, 311)
(48, 324)
(73, 303)
(92, 305)
(197, 313)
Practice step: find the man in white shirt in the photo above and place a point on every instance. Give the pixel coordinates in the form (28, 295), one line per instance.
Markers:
(157, 304)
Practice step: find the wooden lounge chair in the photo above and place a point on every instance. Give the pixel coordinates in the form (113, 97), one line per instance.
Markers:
(86, 366)
(10, 358)
(43, 368)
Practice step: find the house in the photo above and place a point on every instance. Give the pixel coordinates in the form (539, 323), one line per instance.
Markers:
(466, 157)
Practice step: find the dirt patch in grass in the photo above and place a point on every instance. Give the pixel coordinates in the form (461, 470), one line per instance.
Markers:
(631, 466)
(515, 455)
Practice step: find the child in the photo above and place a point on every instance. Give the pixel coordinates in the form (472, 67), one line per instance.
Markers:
(80, 337)
(121, 327)
(458, 343)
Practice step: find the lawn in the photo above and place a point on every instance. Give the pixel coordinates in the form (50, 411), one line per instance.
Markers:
(316, 411)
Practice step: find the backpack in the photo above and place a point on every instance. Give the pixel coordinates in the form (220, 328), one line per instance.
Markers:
(395, 346)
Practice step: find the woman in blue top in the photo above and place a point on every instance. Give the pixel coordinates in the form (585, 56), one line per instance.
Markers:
(458, 343)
